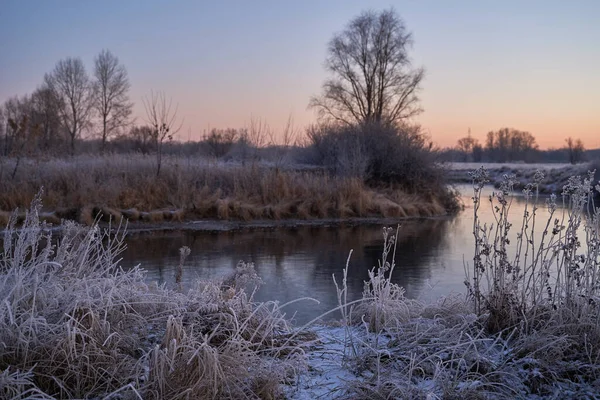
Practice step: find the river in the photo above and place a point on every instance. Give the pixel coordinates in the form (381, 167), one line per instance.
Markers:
(300, 261)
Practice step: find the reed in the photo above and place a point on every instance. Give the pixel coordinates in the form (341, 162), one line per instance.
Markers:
(115, 186)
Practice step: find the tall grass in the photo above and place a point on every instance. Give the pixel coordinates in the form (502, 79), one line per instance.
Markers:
(120, 186)
(74, 324)
(546, 267)
(528, 327)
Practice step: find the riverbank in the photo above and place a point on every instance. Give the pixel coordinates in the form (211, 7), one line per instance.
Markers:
(555, 175)
(74, 324)
(189, 189)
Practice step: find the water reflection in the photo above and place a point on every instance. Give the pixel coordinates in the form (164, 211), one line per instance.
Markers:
(296, 262)
(299, 262)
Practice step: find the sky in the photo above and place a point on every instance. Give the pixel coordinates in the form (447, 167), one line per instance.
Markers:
(532, 65)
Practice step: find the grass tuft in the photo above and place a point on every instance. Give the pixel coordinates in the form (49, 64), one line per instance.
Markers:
(74, 324)
(529, 326)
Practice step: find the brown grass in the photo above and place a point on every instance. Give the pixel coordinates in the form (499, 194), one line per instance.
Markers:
(74, 324)
(113, 187)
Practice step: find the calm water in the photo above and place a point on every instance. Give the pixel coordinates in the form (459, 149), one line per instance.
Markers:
(299, 262)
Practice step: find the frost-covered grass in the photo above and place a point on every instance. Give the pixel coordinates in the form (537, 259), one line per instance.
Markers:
(74, 324)
(470, 166)
(529, 326)
(126, 186)
(555, 175)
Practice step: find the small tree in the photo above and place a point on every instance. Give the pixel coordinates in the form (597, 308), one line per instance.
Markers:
(373, 79)
(220, 141)
(24, 136)
(71, 85)
(111, 99)
(142, 137)
(467, 146)
(575, 150)
(163, 119)
(45, 113)
(287, 138)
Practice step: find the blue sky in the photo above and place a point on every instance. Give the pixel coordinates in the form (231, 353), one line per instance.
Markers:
(532, 65)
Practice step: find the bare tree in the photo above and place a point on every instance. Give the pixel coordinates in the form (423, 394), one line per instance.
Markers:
(111, 94)
(575, 150)
(142, 137)
(24, 135)
(508, 144)
(373, 79)
(13, 111)
(71, 85)
(282, 145)
(163, 119)
(3, 129)
(466, 145)
(252, 138)
(45, 114)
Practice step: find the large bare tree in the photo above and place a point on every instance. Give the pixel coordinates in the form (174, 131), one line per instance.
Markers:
(162, 117)
(71, 85)
(373, 78)
(111, 99)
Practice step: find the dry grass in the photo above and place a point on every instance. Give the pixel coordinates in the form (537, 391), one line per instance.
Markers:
(73, 324)
(529, 327)
(113, 187)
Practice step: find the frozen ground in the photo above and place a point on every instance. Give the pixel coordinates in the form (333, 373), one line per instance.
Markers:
(555, 175)
(334, 372)
(326, 373)
(509, 166)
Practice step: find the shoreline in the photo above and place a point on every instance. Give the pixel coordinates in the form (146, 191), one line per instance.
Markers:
(116, 187)
(555, 175)
(208, 225)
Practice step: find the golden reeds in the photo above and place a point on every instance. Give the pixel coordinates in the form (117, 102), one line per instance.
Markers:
(114, 187)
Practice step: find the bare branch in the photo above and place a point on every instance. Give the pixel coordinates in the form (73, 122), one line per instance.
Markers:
(162, 118)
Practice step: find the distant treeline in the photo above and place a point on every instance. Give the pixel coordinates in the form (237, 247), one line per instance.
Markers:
(512, 145)
(536, 156)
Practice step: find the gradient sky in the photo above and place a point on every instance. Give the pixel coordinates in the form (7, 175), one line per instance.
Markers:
(529, 64)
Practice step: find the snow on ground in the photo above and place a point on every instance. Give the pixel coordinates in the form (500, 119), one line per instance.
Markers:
(555, 175)
(326, 374)
(513, 166)
(329, 378)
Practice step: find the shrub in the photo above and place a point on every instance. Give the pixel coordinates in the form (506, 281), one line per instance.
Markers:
(519, 280)
(383, 156)
(220, 141)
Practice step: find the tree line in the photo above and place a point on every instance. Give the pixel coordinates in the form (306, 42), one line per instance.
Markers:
(513, 145)
(68, 103)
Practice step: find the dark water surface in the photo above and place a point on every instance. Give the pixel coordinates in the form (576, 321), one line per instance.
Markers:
(299, 262)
